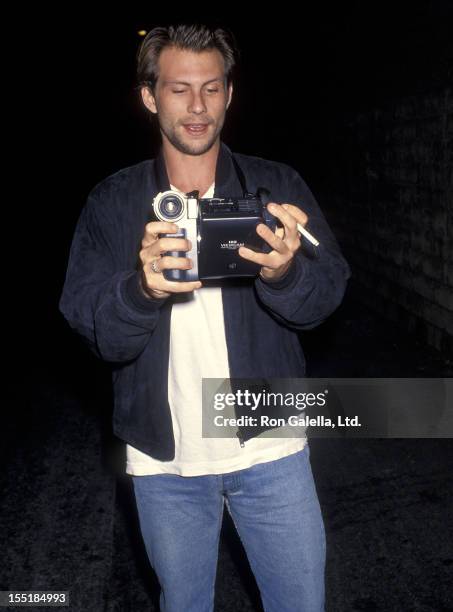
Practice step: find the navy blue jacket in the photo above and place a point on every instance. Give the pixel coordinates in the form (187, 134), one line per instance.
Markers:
(102, 299)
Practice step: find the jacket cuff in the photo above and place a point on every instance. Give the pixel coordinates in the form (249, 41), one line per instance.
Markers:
(134, 296)
(287, 280)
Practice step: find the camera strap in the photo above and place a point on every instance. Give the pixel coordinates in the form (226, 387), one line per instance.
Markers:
(240, 176)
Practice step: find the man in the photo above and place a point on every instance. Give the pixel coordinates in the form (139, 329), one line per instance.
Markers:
(163, 337)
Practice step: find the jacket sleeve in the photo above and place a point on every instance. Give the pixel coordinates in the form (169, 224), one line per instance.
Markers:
(101, 300)
(314, 284)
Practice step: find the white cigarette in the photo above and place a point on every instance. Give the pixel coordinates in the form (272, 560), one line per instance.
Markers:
(308, 236)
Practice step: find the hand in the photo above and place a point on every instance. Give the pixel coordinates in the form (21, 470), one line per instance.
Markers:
(285, 242)
(154, 283)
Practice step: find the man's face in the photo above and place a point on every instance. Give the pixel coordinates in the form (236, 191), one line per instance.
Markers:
(190, 91)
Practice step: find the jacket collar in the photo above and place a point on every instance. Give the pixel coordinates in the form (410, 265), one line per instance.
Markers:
(226, 180)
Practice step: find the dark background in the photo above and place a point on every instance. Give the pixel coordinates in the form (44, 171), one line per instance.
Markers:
(303, 79)
(313, 89)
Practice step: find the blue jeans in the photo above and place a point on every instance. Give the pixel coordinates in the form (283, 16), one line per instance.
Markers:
(275, 509)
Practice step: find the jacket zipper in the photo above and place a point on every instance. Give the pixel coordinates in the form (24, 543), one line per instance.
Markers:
(241, 439)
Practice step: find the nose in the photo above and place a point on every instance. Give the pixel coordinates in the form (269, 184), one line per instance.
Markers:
(197, 103)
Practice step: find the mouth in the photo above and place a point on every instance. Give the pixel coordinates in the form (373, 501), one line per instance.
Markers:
(196, 128)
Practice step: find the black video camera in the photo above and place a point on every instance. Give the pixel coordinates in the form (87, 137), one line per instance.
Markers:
(216, 227)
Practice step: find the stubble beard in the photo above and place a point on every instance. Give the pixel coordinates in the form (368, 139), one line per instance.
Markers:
(188, 148)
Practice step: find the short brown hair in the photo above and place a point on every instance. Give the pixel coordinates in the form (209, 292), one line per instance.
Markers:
(193, 37)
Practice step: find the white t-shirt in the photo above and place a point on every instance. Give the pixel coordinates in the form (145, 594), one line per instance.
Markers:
(198, 350)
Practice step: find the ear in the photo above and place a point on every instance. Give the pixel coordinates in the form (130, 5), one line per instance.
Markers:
(148, 99)
(230, 94)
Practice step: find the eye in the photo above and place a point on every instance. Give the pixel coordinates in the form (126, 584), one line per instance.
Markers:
(212, 90)
(178, 91)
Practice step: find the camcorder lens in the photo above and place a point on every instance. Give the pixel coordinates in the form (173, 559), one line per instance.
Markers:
(171, 207)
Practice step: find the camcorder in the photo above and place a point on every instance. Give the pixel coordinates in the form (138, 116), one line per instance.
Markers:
(216, 228)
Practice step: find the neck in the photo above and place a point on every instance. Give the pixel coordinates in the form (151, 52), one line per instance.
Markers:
(190, 172)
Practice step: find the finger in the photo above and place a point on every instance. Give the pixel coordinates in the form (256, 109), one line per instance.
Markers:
(166, 244)
(168, 262)
(173, 244)
(160, 284)
(180, 287)
(288, 220)
(153, 229)
(161, 227)
(280, 232)
(273, 240)
(270, 260)
(296, 212)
